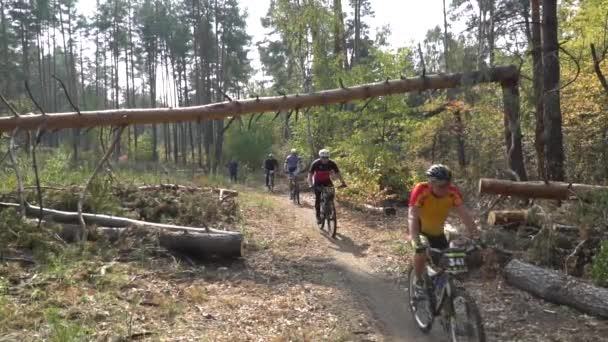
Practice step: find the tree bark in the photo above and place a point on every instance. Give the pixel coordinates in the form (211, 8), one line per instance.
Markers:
(553, 138)
(553, 190)
(510, 93)
(537, 61)
(558, 288)
(203, 246)
(247, 106)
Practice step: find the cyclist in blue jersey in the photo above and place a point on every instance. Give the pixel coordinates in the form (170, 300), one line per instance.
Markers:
(292, 164)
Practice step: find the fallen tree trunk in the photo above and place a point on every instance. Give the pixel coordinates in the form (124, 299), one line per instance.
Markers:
(558, 288)
(119, 117)
(108, 220)
(553, 190)
(223, 193)
(500, 217)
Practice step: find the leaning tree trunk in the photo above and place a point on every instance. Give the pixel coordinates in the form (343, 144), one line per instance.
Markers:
(558, 288)
(117, 117)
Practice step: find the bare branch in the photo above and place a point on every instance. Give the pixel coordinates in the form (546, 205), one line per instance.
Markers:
(9, 106)
(360, 110)
(578, 71)
(421, 60)
(36, 176)
(228, 125)
(11, 150)
(29, 92)
(103, 160)
(67, 94)
(224, 94)
(250, 121)
(598, 70)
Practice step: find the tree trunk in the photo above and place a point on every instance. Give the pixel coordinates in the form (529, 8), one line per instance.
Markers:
(558, 288)
(270, 104)
(553, 190)
(205, 245)
(339, 35)
(515, 155)
(554, 146)
(537, 61)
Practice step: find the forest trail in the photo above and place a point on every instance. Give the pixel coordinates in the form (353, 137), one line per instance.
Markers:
(385, 300)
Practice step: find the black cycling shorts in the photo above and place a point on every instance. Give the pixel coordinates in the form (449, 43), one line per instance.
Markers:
(438, 242)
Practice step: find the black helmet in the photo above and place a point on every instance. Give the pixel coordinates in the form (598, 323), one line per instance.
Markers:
(439, 172)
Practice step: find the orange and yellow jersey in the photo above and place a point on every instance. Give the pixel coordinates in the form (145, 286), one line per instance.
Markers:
(434, 210)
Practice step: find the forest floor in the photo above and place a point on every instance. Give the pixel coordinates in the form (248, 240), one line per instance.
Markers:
(294, 284)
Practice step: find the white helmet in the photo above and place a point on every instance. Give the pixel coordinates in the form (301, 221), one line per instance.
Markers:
(294, 151)
(324, 153)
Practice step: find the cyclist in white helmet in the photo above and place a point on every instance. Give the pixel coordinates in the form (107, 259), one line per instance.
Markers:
(292, 164)
(319, 176)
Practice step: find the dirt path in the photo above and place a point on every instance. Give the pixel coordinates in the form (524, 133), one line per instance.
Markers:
(386, 301)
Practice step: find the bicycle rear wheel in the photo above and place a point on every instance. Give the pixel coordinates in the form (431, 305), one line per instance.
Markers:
(465, 324)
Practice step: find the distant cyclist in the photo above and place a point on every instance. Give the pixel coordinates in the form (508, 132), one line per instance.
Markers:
(292, 164)
(270, 167)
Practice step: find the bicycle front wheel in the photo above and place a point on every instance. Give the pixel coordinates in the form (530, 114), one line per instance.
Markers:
(331, 220)
(465, 324)
(420, 304)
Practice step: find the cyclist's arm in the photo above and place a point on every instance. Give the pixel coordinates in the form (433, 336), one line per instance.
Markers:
(339, 175)
(467, 220)
(414, 222)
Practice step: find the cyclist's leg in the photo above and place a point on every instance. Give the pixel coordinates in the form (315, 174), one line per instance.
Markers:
(267, 178)
(317, 190)
(419, 258)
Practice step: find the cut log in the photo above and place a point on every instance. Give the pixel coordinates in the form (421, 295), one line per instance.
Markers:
(558, 288)
(203, 245)
(503, 217)
(553, 190)
(119, 117)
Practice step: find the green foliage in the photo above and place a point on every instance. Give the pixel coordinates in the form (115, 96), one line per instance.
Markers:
(62, 329)
(599, 268)
(17, 233)
(249, 147)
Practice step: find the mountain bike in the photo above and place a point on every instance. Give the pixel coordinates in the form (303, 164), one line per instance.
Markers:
(270, 180)
(328, 217)
(444, 296)
(294, 188)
